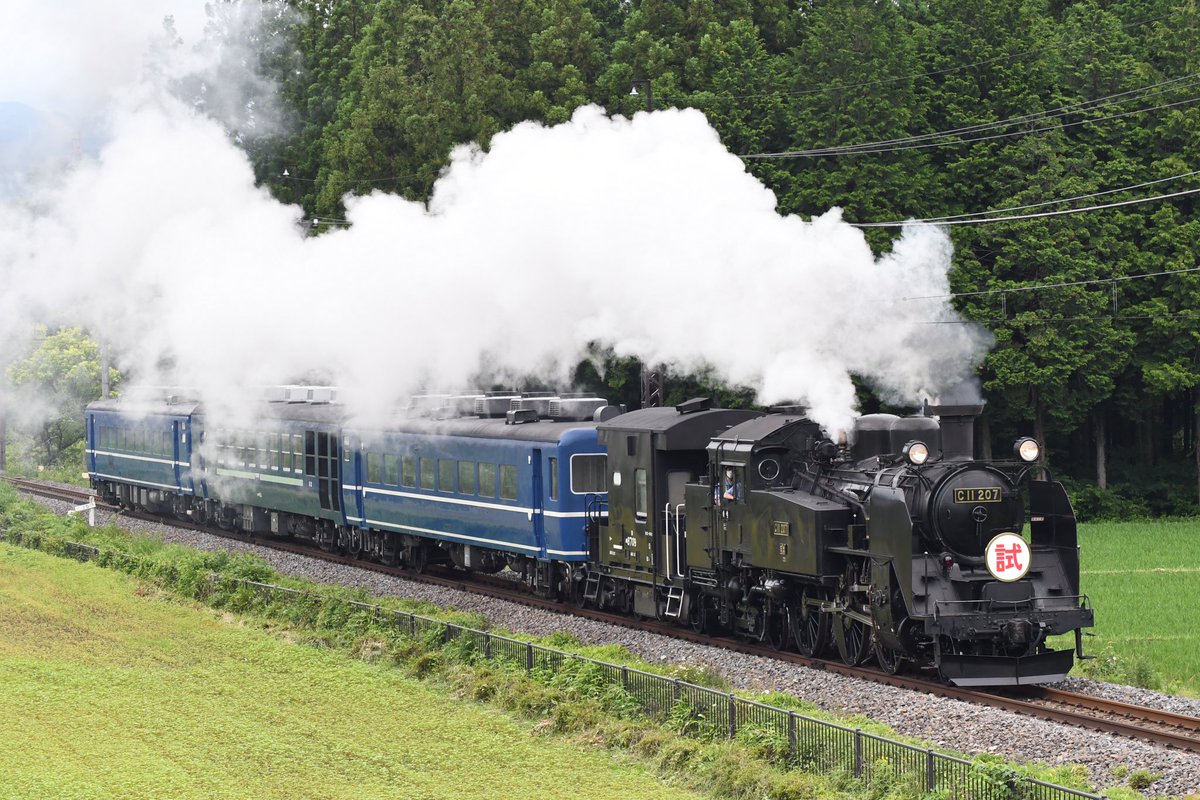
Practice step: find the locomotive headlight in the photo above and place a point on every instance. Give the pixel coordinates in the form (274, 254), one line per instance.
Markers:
(917, 453)
(1028, 450)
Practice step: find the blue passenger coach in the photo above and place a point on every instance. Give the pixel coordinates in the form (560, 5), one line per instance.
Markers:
(140, 453)
(509, 486)
(488, 491)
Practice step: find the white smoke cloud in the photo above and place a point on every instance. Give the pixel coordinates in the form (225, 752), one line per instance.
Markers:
(645, 234)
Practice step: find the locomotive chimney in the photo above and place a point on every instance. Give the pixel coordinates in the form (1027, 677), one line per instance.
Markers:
(958, 428)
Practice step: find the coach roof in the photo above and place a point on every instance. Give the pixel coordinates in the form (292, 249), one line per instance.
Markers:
(673, 430)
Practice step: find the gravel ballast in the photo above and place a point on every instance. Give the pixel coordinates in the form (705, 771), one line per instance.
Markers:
(942, 722)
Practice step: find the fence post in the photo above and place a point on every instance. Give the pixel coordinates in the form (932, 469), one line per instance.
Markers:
(625, 677)
(487, 645)
(676, 691)
(858, 753)
(529, 657)
(930, 771)
(792, 734)
(446, 635)
(732, 716)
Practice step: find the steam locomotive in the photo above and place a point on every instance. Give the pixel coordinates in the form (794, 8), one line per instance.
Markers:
(895, 544)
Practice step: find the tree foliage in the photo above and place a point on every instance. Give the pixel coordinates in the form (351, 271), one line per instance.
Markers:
(1104, 364)
(50, 386)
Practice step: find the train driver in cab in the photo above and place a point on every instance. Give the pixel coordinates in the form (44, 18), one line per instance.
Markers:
(729, 490)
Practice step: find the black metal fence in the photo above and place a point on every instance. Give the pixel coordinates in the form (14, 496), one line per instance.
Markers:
(810, 744)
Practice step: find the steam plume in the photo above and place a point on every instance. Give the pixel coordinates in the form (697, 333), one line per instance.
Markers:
(644, 233)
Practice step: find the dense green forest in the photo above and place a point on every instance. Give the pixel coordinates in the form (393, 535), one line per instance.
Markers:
(894, 110)
(890, 110)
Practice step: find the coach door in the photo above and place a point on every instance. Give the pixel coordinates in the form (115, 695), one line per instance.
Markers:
(354, 500)
(321, 463)
(92, 441)
(538, 506)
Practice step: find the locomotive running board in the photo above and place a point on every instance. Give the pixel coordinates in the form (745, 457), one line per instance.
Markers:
(1004, 671)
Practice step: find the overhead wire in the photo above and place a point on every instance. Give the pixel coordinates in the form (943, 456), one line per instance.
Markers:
(886, 145)
(1060, 200)
(1057, 285)
(1021, 217)
(959, 141)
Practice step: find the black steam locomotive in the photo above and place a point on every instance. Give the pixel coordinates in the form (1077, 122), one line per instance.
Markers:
(900, 546)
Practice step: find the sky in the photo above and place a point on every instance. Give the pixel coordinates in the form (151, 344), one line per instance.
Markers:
(642, 234)
(67, 57)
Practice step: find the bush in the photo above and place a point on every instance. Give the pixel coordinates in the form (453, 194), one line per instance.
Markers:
(1167, 489)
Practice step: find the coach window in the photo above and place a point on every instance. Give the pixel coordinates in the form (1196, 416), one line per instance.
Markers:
(446, 474)
(589, 474)
(391, 470)
(487, 480)
(120, 438)
(373, 468)
(508, 482)
(273, 445)
(639, 497)
(428, 473)
(466, 477)
(554, 479)
(346, 449)
(297, 453)
(408, 471)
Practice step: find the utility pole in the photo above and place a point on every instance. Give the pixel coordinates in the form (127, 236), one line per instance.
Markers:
(3, 417)
(103, 370)
(633, 91)
(651, 377)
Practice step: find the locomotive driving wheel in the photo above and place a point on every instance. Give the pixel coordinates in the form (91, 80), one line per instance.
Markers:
(698, 615)
(810, 627)
(779, 626)
(855, 639)
(890, 660)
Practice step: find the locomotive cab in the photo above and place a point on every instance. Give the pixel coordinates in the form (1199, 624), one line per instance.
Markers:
(656, 456)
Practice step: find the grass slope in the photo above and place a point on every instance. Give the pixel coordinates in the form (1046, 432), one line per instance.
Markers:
(1144, 581)
(108, 692)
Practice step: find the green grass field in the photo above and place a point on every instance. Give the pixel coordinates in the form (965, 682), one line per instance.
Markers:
(1144, 581)
(108, 691)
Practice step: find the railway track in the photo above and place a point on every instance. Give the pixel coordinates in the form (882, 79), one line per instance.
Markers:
(1055, 705)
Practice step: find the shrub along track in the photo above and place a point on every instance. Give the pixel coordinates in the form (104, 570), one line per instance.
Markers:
(1041, 702)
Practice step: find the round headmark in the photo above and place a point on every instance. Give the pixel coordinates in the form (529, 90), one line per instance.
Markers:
(1007, 557)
